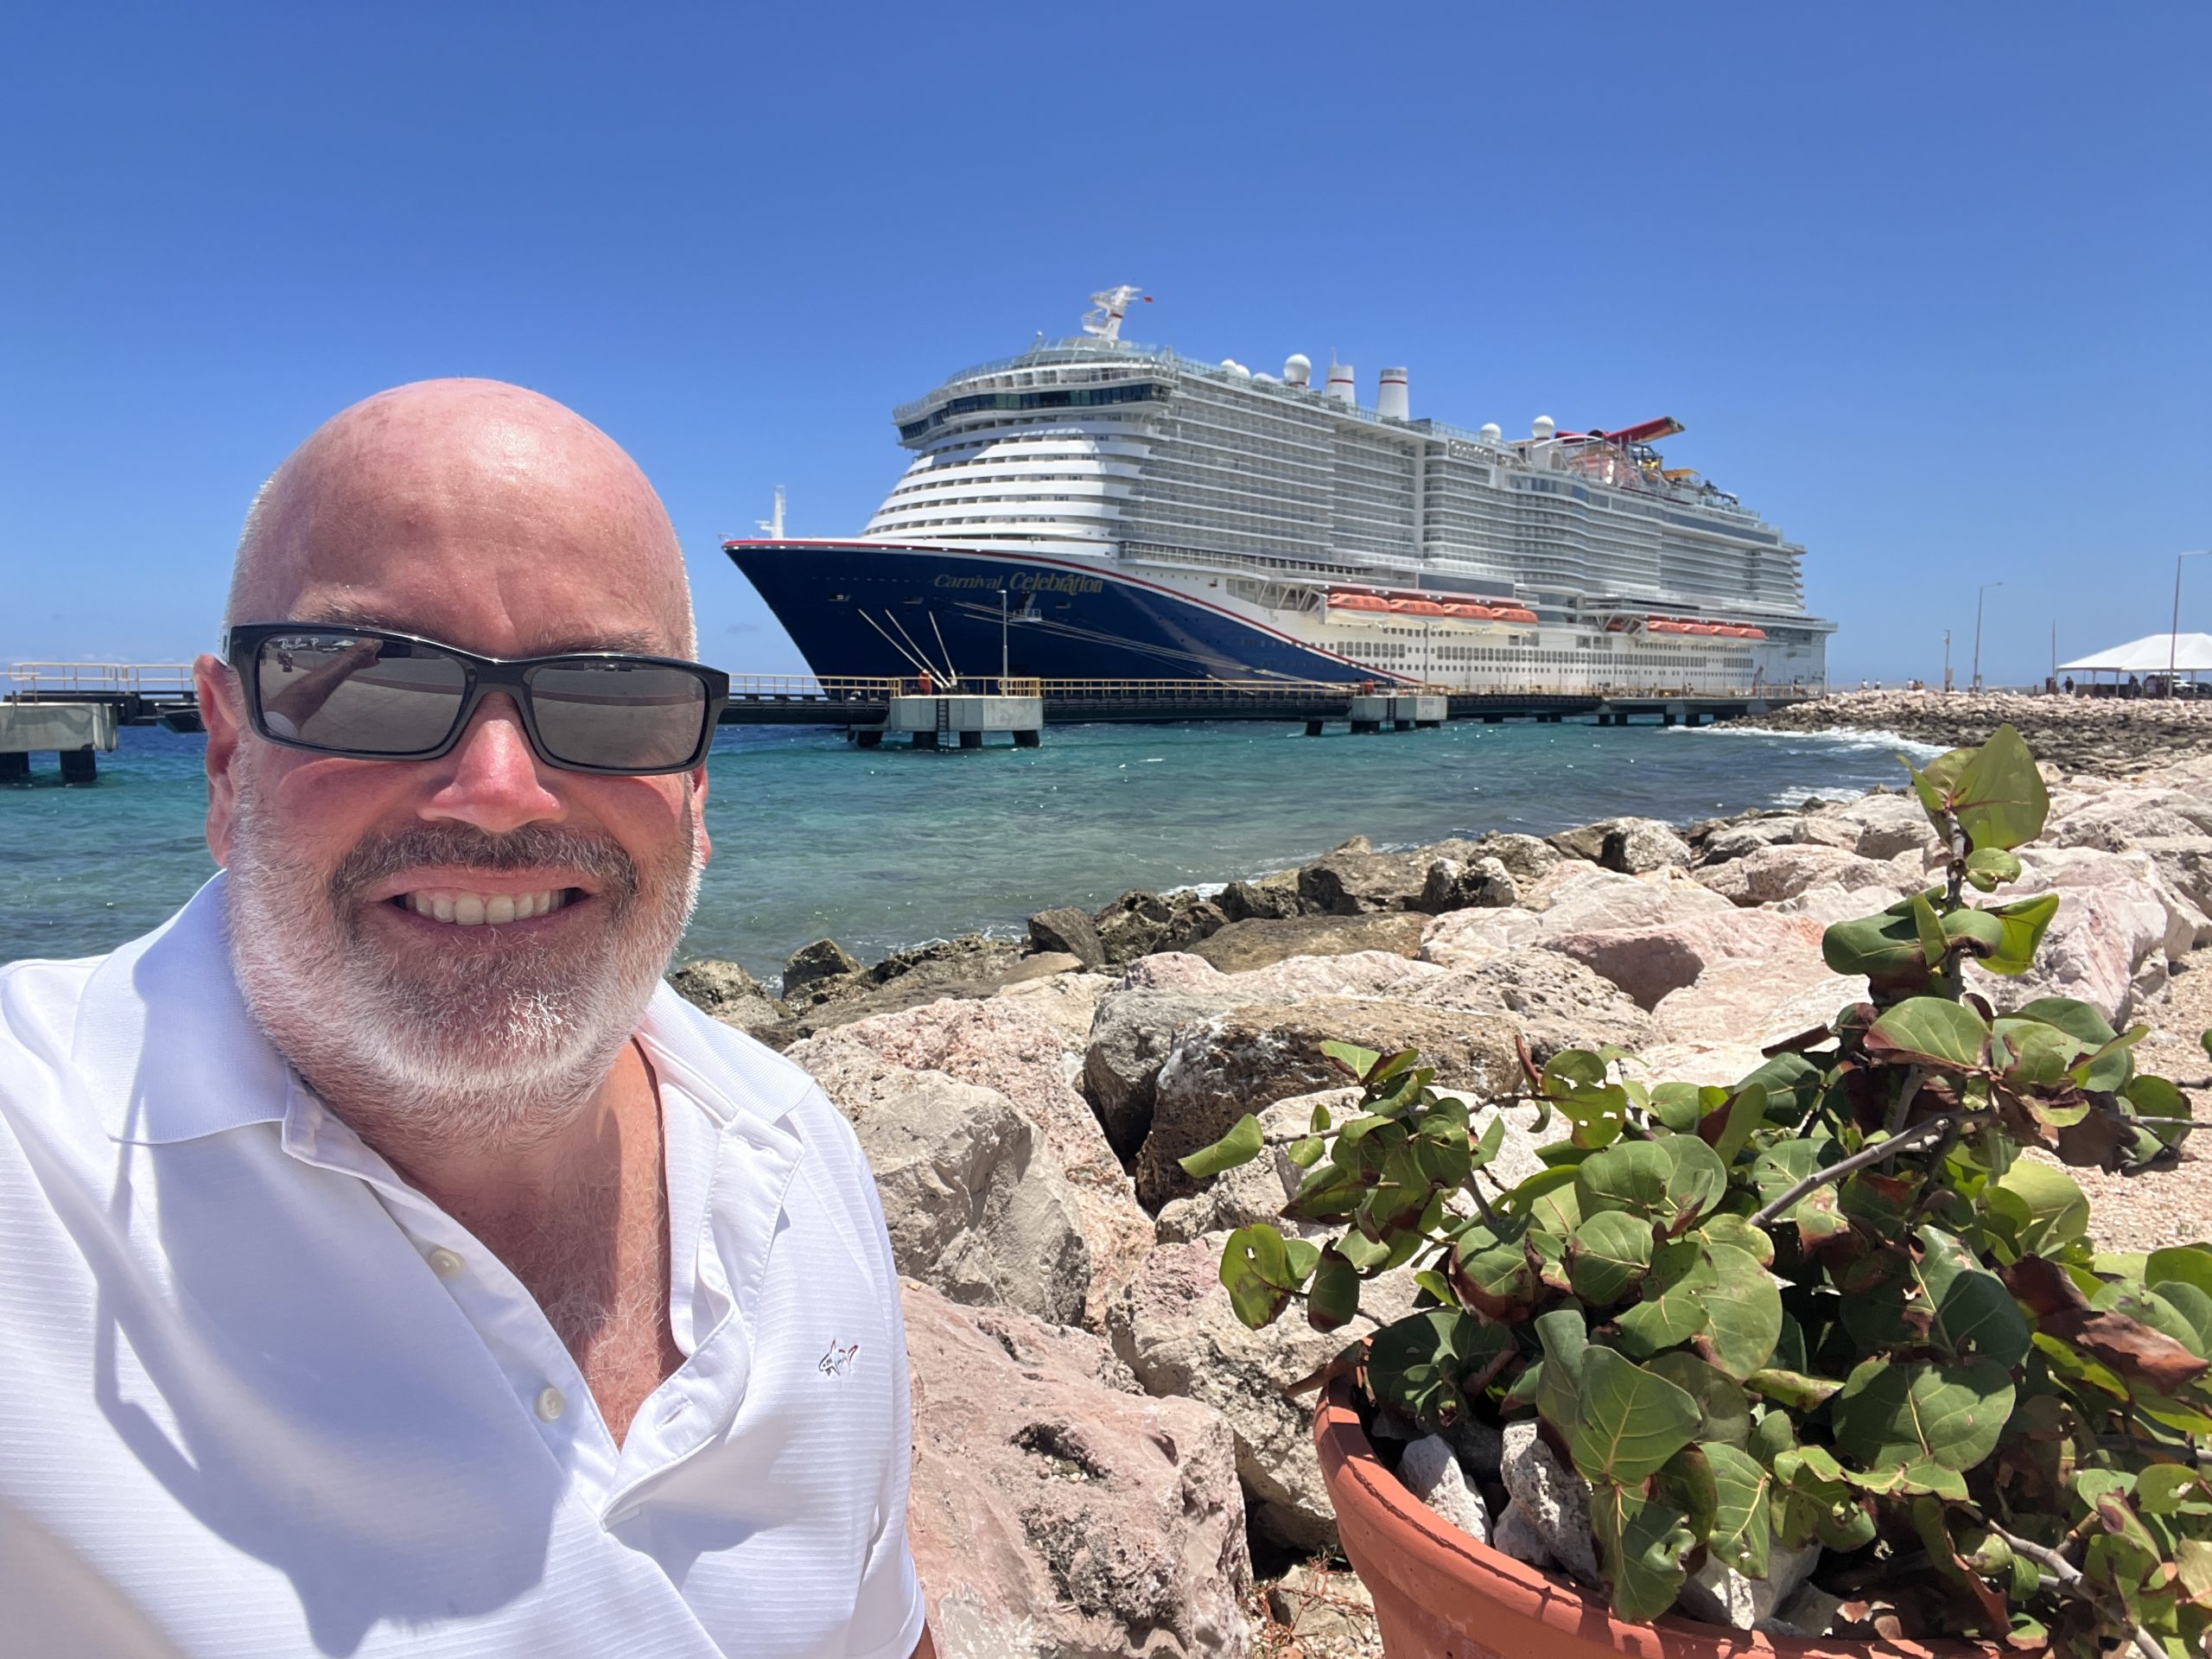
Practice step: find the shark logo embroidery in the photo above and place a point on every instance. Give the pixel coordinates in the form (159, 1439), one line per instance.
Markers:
(836, 1362)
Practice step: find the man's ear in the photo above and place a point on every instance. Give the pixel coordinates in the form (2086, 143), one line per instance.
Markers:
(223, 713)
(699, 812)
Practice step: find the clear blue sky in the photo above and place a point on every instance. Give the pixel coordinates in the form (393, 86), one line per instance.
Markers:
(1928, 285)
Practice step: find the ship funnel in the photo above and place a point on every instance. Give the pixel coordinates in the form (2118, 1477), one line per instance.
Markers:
(1543, 427)
(1340, 381)
(1297, 369)
(1390, 396)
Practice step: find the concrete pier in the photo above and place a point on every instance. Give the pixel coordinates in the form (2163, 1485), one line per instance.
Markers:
(1400, 711)
(74, 731)
(930, 722)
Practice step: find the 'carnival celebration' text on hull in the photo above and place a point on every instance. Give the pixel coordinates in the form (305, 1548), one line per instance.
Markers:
(1095, 508)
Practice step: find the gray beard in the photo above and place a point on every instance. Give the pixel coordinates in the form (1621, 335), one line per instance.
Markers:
(479, 1050)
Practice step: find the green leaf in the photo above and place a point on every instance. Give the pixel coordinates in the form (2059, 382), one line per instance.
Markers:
(1678, 1105)
(1415, 1366)
(1886, 948)
(1685, 1482)
(1971, 1312)
(2033, 1055)
(2189, 1264)
(1559, 1390)
(1936, 783)
(1674, 1307)
(2000, 799)
(1792, 1084)
(1989, 867)
(1696, 1178)
(1727, 1228)
(1332, 1301)
(1628, 1421)
(1890, 1411)
(1742, 1528)
(2022, 924)
(1791, 1388)
(2079, 1019)
(1929, 1031)
(1743, 1313)
(2057, 1211)
(1640, 1546)
(1355, 1059)
(1781, 1167)
(1746, 1111)
(1724, 1410)
(1240, 1146)
(1607, 1255)
(1631, 1177)
(1928, 927)
(1300, 1257)
(1255, 1271)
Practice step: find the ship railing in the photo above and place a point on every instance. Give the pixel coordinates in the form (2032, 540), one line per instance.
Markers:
(867, 691)
(42, 680)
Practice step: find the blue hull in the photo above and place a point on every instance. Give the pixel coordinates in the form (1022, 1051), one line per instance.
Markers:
(867, 609)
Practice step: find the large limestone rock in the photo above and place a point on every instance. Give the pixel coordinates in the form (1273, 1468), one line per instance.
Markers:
(1773, 874)
(1635, 846)
(1788, 829)
(1757, 999)
(1555, 1499)
(1247, 1059)
(2106, 946)
(1452, 884)
(1576, 897)
(1255, 1192)
(1055, 1512)
(975, 1205)
(1888, 825)
(809, 965)
(1066, 1000)
(1430, 1471)
(1242, 946)
(1468, 938)
(1358, 972)
(1527, 859)
(1128, 1043)
(1262, 898)
(1552, 1000)
(1648, 961)
(1176, 1331)
(999, 1043)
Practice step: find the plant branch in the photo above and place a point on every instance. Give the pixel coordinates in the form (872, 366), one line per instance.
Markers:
(2069, 1576)
(1913, 1077)
(1881, 1151)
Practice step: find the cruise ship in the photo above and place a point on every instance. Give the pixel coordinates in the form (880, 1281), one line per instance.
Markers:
(1095, 509)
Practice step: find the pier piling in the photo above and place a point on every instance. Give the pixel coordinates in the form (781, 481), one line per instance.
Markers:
(75, 731)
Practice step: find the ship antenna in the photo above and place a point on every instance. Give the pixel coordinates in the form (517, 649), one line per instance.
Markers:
(774, 523)
(1104, 317)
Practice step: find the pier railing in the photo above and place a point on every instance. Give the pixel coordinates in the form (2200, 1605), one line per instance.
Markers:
(34, 681)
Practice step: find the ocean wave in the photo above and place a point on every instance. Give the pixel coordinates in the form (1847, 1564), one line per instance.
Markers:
(1856, 736)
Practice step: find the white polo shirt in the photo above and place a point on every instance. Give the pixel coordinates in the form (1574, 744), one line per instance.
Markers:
(257, 1396)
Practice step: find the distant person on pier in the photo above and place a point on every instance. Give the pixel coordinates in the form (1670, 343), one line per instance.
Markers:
(391, 1263)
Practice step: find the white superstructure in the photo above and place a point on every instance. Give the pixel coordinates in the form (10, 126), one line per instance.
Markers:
(1417, 549)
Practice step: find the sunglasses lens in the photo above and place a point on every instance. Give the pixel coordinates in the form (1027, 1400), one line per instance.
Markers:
(357, 696)
(624, 716)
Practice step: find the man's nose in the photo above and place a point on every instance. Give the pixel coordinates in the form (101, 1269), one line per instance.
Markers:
(493, 780)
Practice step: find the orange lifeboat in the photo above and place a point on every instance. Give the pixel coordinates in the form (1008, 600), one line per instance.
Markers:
(1473, 611)
(1515, 614)
(1664, 625)
(1418, 608)
(1357, 602)
(1752, 633)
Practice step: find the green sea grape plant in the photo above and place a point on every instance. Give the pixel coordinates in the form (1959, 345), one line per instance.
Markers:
(1835, 1304)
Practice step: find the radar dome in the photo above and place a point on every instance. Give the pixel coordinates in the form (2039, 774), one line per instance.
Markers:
(1491, 431)
(1543, 427)
(1235, 368)
(1298, 368)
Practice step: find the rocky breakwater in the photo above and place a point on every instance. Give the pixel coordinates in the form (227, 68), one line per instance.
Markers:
(1100, 1445)
(2109, 736)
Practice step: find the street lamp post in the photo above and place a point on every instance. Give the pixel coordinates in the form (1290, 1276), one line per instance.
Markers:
(2173, 641)
(1978, 596)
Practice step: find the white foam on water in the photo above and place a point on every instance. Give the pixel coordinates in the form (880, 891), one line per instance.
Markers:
(1854, 736)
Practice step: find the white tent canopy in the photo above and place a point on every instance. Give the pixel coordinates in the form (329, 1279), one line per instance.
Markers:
(2189, 653)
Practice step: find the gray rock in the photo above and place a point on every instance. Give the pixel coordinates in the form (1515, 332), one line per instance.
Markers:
(1585, 840)
(1479, 1444)
(1767, 875)
(1811, 1612)
(1264, 898)
(1129, 1039)
(1452, 884)
(1247, 1059)
(969, 956)
(976, 1206)
(811, 964)
(1175, 1330)
(1043, 965)
(1718, 1594)
(1429, 1470)
(1364, 884)
(1514, 1534)
(1527, 859)
(1242, 946)
(1068, 930)
(1257, 1191)
(1554, 1496)
(1888, 825)
(727, 993)
(1633, 846)
(1139, 923)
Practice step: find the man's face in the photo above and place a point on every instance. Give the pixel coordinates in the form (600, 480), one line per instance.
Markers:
(476, 931)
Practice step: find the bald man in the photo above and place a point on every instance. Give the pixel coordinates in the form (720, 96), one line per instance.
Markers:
(390, 1264)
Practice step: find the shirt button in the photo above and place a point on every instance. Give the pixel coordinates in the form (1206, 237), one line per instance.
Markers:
(445, 1263)
(550, 1405)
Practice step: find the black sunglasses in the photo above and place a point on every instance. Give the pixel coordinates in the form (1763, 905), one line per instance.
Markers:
(374, 696)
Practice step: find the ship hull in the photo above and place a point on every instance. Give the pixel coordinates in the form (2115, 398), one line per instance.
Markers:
(871, 610)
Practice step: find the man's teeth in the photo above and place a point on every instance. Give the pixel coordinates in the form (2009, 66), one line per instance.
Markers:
(469, 909)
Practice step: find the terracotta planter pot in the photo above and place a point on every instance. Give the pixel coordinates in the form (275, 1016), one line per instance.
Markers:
(1440, 1595)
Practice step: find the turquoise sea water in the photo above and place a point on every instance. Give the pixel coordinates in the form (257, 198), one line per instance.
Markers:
(883, 849)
